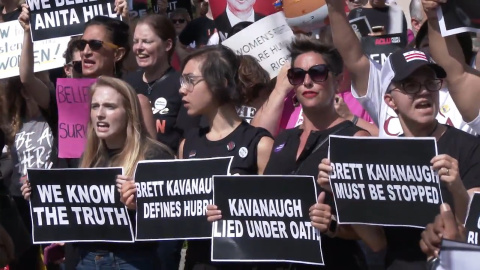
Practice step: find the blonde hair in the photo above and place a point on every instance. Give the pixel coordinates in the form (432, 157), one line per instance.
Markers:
(137, 143)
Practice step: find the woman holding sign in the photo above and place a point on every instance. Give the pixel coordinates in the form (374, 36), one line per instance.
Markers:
(315, 74)
(117, 137)
(103, 47)
(209, 88)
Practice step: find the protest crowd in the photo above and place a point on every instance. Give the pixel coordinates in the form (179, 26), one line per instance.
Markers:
(239, 134)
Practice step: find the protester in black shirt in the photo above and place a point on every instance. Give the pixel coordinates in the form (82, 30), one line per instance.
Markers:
(209, 88)
(154, 43)
(117, 137)
(199, 30)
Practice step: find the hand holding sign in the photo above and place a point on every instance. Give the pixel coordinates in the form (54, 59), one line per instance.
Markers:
(445, 226)
(447, 168)
(430, 7)
(321, 214)
(127, 191)
(24, 18)
(121, 8)
(213, 214)
(324, 171)
(26, 190)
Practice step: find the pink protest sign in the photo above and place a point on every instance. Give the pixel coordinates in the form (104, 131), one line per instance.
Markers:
(73, 101)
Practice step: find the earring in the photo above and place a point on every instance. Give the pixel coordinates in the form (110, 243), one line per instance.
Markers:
(295, 101)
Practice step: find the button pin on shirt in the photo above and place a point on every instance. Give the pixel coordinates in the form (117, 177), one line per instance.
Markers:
(230, 146)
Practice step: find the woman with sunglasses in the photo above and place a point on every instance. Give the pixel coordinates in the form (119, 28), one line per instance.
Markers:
(99, 53)
(180, 18)
(209, 88)
(315, 74)
(153, 45)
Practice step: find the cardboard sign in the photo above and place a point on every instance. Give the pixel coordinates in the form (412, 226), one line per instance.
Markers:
(172, 197)
(47, 54)
(73, 101)
(361, 26)
(77, 205)
(266, 40)
(391, 187)
(379, 48)
(458, 16)
(60, 18)
(265, 218)
(472, 222)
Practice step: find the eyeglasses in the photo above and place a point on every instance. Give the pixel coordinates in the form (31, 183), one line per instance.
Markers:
(76, 65)
(318, 73)
(94, 44)
(413, 87)
(187, 82)
(179, 21)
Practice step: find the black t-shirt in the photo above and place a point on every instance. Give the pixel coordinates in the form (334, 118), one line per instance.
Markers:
(198, 31)
(381, 17)
(244, 137)
(403, 242)
(337, 253)
(171, 118)
(10, 16)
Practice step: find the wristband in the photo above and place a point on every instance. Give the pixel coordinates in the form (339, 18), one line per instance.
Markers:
(332, 228)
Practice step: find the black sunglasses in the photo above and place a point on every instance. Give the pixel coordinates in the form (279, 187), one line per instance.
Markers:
(318, 73)
(413, 87)
(178, 21)
(94, 44)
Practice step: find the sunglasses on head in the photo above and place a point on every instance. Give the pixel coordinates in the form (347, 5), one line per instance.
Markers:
(94, 44)
(318, 74)
(174, 21)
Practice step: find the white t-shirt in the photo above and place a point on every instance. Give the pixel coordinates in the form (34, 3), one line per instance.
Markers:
(387, 120)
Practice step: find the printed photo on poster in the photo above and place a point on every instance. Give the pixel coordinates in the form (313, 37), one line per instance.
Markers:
(458, 16)
(227, 13)
(265, 219)
(398, 186)
(78, 205)
(172, 197)
(61, 18)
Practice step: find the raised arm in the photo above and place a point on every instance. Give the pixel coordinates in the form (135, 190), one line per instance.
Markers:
(349, 47)
(270, 114)
(462, 80)
(34, 86)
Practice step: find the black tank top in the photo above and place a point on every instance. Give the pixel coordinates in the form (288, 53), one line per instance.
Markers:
(337, 253)
(242, 145)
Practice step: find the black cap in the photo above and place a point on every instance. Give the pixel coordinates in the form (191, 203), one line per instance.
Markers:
(406, 61)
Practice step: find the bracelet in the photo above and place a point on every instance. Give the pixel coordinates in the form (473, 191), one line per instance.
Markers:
(332, 228)
(355, 120)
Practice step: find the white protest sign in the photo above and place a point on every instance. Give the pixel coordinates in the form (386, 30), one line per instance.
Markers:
(48, 54)
(266, 40)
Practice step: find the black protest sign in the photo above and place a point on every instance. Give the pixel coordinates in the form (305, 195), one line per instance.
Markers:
(458, 16)
(78, 205)
(384, 181)
(472, 223)
(379, 48)
(172, 197)
(361, 26)
(60, 18)
(138, 8)
(265, 218)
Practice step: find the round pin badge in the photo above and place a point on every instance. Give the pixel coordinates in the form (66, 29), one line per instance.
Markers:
(231, 146)
(160, 103)
(243, 152)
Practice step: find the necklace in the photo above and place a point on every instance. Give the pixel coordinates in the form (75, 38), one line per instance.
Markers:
(150, 86)
(433, 131)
